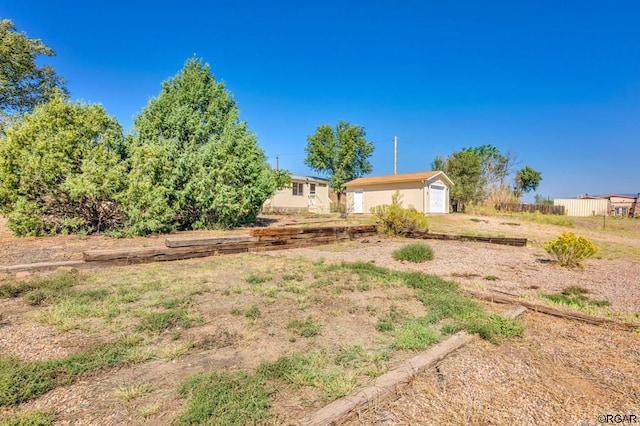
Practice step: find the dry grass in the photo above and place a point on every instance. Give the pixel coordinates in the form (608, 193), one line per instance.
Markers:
(584, 371)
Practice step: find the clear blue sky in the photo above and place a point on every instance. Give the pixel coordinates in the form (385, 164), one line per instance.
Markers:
(557, 83)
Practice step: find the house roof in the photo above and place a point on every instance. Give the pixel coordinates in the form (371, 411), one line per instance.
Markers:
(608, 196)
(308, 178)
(617, 196)
(399, 178)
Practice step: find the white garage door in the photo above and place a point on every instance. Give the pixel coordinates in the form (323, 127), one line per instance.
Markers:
(358, 201)
(437, 199)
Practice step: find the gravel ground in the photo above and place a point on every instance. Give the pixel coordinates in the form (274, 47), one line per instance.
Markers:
(561, 372)
(517, 271)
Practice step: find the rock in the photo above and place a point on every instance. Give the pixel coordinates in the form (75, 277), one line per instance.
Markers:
(23, 275)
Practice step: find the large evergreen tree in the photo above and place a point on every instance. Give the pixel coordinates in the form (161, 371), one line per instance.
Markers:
(194, 163)
(61, 169)
(23, 82)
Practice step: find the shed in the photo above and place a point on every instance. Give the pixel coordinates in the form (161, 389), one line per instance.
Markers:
(307, 194)
(427, 192)
(585, 206)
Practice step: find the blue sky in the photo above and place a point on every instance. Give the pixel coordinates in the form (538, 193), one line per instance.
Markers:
(557, 84)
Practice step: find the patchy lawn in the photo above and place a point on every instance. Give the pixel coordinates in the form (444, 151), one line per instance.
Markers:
(275, 337)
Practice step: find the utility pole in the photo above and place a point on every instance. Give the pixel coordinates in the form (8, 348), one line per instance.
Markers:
(395, 155)
(277, 162)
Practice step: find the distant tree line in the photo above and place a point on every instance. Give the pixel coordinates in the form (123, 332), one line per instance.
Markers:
(67, 167)
(482, 175)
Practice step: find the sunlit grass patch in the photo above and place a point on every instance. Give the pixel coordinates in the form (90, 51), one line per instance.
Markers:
(306, 328)
(132, 391)
(157, 322)
(41, 287)
(575, 296)
(415, 335)
(547, 219)
(416, 253)
(227, 398)
(258, 278)
(30, 418)
(22, 381)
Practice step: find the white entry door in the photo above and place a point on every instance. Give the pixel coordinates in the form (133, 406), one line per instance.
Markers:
(358, 201)
(437, 199)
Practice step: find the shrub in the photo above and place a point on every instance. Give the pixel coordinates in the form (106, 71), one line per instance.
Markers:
(395, 220)
(416, 253)
(61, 169)
(569, 249)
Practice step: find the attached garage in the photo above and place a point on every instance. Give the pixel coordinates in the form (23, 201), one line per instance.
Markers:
(427, 192)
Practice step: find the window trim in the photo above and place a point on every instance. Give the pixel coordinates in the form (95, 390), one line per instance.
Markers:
(298, 189)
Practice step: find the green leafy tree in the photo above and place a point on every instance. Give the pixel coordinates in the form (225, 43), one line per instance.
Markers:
(527, 180)
(61, 169)
(23, 83)
(539, 199)
(282, 178)
(194, 163)
(341, 153)
(439, 163)
(465, 170)
(495, 165)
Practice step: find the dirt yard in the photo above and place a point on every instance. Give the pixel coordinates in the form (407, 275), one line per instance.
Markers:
(560, 372)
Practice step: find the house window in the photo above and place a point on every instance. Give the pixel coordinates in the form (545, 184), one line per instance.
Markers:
(298, 188)
(620, 211)
(312, 189)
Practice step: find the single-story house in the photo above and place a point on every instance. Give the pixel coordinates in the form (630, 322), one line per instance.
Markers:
(427, 192)
(307, 194)
(621, 205)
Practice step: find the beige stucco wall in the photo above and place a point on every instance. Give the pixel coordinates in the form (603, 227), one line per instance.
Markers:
(375, 195)
(284, 200)
(415, 194)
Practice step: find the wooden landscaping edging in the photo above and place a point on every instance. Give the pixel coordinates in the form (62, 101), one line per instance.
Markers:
(259, 239)
(548, 310)
(41, 266)
(509, 241)
(391, 383)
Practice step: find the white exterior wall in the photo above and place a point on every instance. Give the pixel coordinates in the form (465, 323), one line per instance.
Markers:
(583, 207)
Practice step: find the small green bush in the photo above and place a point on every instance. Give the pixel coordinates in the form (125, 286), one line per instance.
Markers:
(30, 418)
(307, 328)
(569, 249)
(395, 220)
(575, 296)
(416, 253)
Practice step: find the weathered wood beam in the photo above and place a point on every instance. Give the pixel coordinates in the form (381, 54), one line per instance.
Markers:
(510, 241)
(41, 266)
(207, 241)
(391, 383)
(560, 313)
